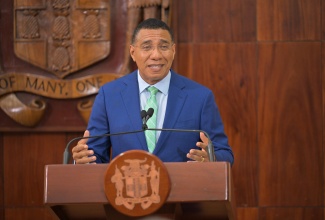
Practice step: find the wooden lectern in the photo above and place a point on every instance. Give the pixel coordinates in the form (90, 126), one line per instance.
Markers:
(198, 191)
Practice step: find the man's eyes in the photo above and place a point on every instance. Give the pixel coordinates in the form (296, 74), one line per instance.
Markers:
(146, 47)
(162, 47)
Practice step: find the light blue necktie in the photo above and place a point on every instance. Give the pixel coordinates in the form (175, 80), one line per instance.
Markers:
(151, 123)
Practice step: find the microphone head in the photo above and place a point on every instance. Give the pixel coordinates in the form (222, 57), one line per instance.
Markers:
(148, 115)
(150, 112)
(143, 113)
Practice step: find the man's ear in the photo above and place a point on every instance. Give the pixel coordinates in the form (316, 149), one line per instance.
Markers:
(132, 52)
(174, 50)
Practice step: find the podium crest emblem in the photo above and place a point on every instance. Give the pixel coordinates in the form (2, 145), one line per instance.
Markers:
(135, 178)
(136, 182)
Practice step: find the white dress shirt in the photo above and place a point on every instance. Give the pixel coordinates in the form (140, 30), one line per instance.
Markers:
(161, 96)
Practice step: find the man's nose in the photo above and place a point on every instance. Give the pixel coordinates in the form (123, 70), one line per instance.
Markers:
(156, 52)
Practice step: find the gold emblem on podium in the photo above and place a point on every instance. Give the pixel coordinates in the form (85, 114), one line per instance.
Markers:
(137, 183)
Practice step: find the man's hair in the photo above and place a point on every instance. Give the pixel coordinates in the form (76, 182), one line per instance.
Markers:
(152, 24)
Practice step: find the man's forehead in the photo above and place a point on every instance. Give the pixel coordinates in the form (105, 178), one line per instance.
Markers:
(153, 35)
(150, 41)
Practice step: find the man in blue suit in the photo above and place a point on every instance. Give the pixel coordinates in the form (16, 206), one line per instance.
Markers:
(182, 104)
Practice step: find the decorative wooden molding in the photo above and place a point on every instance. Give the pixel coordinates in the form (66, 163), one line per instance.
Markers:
(27, 115)
(54, 88)
(84, 108)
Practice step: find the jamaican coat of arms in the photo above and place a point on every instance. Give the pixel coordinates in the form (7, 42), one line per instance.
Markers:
(137, 183)
(134, 178)
(62, 36)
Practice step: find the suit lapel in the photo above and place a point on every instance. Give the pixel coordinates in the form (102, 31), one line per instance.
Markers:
(175, 103)
(131, 100)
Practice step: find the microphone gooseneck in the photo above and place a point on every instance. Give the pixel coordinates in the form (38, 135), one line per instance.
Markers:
(210, 149)
(67, 155)
(145, 115)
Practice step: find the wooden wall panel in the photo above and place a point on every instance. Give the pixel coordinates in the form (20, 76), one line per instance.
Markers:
(289, 19)
(247, 214)
(6, 15)
(25, 156)
(229, 71)
(219, 20)
(184, 55)
(289, 125)
(183, 22)
(287, 213)
(323, 92)
(323, 19)
(29, 213)
(2, 192)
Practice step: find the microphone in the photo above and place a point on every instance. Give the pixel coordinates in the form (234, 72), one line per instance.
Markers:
(210, 149)
(144, 120)
(144, 116)
(149, 113)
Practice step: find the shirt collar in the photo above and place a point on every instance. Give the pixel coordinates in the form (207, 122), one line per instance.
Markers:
(162, 85)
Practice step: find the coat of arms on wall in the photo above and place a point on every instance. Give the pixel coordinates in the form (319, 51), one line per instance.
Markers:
(62, 36)
(69, 49)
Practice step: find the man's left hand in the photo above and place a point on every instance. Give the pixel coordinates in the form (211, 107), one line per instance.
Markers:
(200, 155)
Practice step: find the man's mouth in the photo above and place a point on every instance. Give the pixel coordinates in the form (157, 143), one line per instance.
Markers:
(155, 67)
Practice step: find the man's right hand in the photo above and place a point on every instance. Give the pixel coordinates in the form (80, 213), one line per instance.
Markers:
(80, 152)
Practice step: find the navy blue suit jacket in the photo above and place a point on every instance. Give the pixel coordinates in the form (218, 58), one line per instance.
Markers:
(189, 106)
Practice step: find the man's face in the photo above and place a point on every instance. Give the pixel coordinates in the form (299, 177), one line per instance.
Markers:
(153, 52)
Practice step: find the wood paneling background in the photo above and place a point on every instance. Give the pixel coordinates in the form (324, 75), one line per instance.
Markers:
(264, 61)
